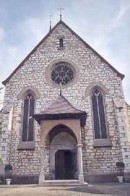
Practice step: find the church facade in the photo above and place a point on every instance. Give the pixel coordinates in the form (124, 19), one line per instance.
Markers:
(64, 115)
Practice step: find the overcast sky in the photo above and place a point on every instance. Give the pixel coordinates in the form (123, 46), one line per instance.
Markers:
(103, 24)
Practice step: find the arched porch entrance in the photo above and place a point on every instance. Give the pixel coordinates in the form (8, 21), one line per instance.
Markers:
(61, 112)
(63, 153)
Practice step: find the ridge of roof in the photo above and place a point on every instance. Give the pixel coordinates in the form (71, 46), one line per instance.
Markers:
(46, 36)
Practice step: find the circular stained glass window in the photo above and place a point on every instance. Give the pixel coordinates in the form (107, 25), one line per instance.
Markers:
(62, 73)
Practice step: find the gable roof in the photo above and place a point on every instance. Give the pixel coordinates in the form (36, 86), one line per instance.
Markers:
(61, 108)
(47, 35)
(61, 105)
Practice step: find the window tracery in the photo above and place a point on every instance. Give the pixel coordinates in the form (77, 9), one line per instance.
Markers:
(98, 113)
(28, 111)
(62, 73)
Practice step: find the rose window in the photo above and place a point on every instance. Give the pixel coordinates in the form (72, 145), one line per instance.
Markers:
(62, 73)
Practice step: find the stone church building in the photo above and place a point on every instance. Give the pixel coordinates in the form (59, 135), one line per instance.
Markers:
(64, 115)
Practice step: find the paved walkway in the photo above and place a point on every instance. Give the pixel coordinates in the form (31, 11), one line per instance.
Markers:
(115, 189)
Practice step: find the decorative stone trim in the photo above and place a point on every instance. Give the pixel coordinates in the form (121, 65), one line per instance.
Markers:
(80, 145)
(26, 145)
(102, 143)
(22, 93)
(100, 85)
(49, 69)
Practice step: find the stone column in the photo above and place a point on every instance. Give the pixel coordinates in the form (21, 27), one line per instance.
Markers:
(80, 163)
(42, 175)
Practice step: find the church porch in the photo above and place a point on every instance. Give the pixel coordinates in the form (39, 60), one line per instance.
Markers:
(61, 140)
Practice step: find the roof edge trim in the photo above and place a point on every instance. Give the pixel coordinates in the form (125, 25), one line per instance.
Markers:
(46, 36)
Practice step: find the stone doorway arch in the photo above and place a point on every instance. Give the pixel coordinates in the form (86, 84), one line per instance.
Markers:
(49, 129)
(63, 146)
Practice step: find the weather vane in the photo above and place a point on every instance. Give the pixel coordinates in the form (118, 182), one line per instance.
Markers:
(61, 9)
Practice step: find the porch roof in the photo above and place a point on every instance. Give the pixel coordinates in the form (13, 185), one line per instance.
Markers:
(61, 108)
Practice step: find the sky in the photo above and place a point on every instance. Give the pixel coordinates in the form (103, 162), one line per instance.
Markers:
(103, 24)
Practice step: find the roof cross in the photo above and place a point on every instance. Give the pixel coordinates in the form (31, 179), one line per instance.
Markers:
(61, 9)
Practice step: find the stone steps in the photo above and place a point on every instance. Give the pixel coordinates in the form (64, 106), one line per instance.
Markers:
(62, 183)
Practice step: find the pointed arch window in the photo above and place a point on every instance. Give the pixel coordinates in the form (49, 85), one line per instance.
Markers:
(99, 113)
(28, 111)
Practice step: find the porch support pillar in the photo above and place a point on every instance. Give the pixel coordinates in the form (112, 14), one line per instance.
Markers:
(80, 164)
(42, 175)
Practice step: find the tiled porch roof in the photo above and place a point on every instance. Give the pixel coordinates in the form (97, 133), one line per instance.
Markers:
(61, 109)
(60, 106)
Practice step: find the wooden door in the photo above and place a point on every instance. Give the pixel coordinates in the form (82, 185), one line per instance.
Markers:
(68, 164)
(59, 164)
(63, 164)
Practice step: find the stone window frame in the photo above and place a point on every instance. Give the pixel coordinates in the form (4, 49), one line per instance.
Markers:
(59, 68)
(61, 42)
(61, 37)
(49, 69)
(101, 93)
(27, 145)
(102, 142)
(22, 92)
(29, 97)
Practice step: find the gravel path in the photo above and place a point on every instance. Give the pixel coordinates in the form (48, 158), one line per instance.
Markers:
(90, 190)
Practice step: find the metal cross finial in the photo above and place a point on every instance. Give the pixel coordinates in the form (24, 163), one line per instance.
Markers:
(60, 9)
(51, 21)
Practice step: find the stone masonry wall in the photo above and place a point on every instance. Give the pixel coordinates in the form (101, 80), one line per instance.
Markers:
(90, 70)
(0, 121)
(0, 131)
(127, 117)
(4, 136)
